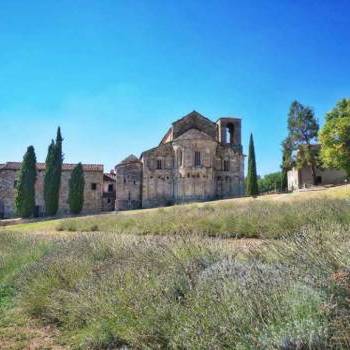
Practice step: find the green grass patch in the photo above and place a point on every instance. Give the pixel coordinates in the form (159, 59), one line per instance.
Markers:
(168, 279)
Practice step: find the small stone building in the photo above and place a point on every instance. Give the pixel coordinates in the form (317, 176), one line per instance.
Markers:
(92, 193)
(196, 160)
(302, 178)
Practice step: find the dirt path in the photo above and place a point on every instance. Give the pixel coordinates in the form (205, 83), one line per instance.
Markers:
(29, 337)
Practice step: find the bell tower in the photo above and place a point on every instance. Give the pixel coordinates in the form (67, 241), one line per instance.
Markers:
(229, 132)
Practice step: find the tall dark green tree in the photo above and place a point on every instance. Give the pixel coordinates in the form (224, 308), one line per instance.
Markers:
(25, 187)
(53, 171)
(302, 133)
(252, 178)
(76, 190)
(59, 154)
(49, 190)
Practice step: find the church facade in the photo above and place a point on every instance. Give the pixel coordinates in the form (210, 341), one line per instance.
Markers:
(196, 160)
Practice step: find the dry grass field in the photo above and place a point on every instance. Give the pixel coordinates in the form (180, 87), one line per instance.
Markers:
(265, 273)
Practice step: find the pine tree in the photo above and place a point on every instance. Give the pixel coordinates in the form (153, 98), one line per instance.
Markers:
(53, 173)
(302, 133)
(252, 178)
(25, 196)
(76, 190)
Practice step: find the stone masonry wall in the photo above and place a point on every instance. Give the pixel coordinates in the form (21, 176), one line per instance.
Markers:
(128, 186)
(92, 198)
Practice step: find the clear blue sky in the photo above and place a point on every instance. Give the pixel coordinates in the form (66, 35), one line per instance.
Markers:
(115, 74)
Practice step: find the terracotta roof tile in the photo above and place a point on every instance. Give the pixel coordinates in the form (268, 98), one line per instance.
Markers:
(109, 177)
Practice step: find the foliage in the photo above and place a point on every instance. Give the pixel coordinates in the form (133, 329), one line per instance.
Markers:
(106, 291)
(25, 194)
(254, 219)
(287, 162)
(53, 171)
(270, 182)
(252, 188)
(302, 124)
(76, 189)
(302, 133)
(335, 137)
(175, 287)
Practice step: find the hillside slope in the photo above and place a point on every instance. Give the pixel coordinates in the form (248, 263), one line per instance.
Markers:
(178, 278)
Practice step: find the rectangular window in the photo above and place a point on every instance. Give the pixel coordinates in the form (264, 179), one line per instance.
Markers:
(93, 186)
(226, 165)
(197, 158)
(110, 188)
(15, 184)
(159, 164)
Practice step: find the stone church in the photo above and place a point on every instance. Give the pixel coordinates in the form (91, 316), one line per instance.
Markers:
(196, 160)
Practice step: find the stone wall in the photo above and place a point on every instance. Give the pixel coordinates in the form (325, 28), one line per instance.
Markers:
(128, 185)
(92, 197)
(229, 180)
(302, 178)
(7, 193)
(195, 182)
(158, 184)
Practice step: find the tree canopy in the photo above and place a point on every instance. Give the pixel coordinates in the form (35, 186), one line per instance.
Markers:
(270, 182)
(302, 133)
(335, 137)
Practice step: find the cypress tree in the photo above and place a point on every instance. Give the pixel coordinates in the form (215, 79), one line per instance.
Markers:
(58, 169)
(59, 156)
(76, 190)
(49, 190)
(25, 188)
(53, 173)
(252, 179)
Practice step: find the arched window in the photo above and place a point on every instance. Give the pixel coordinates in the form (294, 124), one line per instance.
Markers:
(197, 158)
(230, 131)
(179, 158)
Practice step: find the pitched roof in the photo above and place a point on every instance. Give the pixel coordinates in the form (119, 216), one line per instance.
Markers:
(65, 166)
(194, 120)
(128, 160)
(193, 114)
(109, 177)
